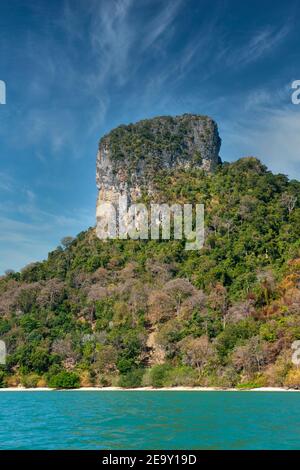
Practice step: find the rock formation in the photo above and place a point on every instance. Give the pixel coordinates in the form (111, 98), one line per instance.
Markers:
(131, 155)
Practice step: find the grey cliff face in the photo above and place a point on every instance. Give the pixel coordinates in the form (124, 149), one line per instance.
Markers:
(130, 156)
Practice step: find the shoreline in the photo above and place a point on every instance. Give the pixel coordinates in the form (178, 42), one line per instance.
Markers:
(149, 389)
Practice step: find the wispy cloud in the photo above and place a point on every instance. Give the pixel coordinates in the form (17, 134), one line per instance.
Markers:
(28, 231)
(6, 182)
(161, 23)
(111, 39)
(30, 239)
(261, 43)
(262, 99)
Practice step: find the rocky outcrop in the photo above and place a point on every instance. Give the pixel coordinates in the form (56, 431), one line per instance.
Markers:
(130, 156)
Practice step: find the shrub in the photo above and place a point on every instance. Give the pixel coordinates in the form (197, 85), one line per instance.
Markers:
(108, 380)
(235, 334)
(181, 376)
(258, 381)
(276, 373)
(132, 379)
(225, 377)
(64, 379)
(85, 379)
(4, 326)
(3, 379)
(268, 331)
(40, 360)
(30, 380)
(293, 379)
(159, 374)
(125, 365)
(12, 380)
(146, 381)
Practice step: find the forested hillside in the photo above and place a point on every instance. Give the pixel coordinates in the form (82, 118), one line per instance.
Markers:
(135, 313)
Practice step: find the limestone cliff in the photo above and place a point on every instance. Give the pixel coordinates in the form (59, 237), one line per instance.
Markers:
(129, 156)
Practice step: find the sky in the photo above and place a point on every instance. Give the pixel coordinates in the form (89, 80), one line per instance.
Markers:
(76, 69)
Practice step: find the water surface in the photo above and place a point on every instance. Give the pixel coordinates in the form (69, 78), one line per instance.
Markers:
(149, 420)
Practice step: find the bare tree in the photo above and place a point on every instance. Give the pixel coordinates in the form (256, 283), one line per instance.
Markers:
(9, 272)
(197, 352)
(179, 289)
(97, 292)
(67, 241)
(240, 310)
(289, 201)
(51, 294)
(105, 359)
(161, 306)
(249, 357)
(218, 300)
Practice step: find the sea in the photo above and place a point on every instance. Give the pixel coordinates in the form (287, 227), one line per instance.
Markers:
(165, 420)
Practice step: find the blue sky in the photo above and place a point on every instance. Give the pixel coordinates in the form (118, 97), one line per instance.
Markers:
(75, 69)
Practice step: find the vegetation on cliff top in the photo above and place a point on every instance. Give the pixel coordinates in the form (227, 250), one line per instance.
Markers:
(152, 142)
(150, 313)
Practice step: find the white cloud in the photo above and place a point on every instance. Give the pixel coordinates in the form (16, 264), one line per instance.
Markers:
(271, 135)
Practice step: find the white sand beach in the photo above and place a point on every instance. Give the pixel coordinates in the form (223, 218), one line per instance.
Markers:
(150, 389)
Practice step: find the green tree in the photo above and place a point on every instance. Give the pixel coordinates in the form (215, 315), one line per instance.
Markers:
(65, 380)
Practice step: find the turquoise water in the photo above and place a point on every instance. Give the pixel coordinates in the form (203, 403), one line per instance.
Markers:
(149, 420)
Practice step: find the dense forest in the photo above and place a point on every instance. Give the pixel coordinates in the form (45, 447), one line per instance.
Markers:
(149, 313)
